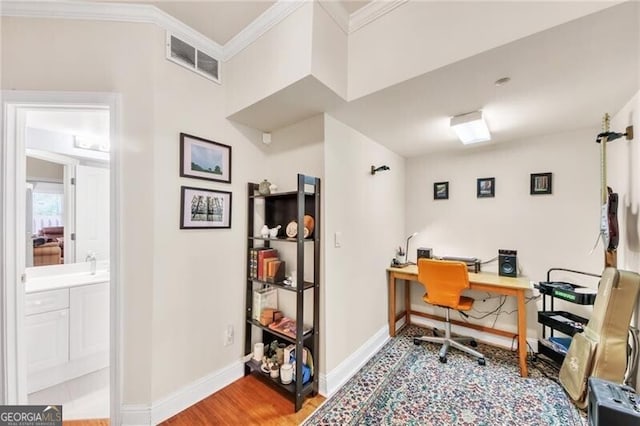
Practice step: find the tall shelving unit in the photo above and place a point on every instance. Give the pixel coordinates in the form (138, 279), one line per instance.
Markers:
(280, 209)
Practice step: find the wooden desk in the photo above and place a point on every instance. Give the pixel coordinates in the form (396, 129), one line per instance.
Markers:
(482, 281)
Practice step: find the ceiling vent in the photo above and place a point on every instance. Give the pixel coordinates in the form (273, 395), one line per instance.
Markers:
(182, 53)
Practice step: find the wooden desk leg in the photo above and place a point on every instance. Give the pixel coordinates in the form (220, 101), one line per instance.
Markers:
(522, 334)
(392, 304)
(407, 302)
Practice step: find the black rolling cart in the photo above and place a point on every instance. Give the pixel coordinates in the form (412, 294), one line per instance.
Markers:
(552, 346)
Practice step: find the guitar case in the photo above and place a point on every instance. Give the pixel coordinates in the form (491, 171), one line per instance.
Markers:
(601, 349)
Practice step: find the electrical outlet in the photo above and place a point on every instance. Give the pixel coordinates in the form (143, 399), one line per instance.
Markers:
(228, 335)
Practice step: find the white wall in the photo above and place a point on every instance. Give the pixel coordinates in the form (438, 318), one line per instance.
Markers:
(556, 230)
(107, 57)
(297, 149)
(623, 176)
(369, 212)
(329, 52)
(277, 59)
(180, 288)
(418, 36)
(198, 274)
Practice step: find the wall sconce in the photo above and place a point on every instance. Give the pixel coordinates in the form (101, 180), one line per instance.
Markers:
(375, 169)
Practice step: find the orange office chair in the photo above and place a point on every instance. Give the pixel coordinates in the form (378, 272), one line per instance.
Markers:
(444, 282)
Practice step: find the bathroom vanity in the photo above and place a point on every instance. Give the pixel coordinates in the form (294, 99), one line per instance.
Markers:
(66, 326)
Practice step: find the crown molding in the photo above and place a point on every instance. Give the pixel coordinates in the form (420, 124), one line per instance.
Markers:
(144, 13)
(370, 12)
(118, 12)
(263, 23)
(337, 12)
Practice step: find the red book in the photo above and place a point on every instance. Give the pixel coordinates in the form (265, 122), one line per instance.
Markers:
(262, 255)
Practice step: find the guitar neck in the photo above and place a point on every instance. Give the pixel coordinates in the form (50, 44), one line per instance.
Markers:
(604, 195)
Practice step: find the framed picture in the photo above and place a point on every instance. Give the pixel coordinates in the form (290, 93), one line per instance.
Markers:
(441, 191)
(486, 187)
(204, 159)
(540, 183)
(204, 208)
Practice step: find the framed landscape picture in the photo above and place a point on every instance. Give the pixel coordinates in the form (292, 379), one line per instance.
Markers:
(204, 159)
(441, 191)
(540, 183)
(486, 188)
(204, 208)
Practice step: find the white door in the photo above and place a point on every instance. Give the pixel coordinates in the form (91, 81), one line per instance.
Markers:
(92, 212)
(47, 340)
(89, 328)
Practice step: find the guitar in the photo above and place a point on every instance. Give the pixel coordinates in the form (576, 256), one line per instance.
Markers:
(609, 200)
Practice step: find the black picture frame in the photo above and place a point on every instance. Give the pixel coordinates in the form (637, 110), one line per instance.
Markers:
(541, 183)
(204, 159)
(202, 208)
(441, 190)
(486, 187)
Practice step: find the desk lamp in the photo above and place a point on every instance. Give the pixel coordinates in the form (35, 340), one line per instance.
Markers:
(406, 251)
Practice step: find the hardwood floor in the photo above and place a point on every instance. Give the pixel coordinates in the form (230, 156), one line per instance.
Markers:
(247, 401)
(93, 422)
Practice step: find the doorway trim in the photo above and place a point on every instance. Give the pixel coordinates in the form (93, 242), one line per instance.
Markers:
(12, 154)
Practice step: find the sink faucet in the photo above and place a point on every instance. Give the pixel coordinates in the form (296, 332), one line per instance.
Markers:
(91, 257)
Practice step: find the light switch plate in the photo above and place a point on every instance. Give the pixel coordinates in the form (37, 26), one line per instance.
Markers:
(337, 238)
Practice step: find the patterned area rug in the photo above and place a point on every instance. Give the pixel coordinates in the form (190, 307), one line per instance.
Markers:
(405, 384)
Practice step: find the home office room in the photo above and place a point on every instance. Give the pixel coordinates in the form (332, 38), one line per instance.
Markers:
(339, 126)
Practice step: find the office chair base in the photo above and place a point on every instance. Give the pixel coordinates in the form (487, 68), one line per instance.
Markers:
(455, 342)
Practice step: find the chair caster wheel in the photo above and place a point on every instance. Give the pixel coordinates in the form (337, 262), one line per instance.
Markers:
(443, 359)
(473, 344)
(435, 332)
(481, 361)
(416, 341)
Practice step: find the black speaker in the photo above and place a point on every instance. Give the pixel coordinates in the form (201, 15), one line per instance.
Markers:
(507, 263)
(424, 253)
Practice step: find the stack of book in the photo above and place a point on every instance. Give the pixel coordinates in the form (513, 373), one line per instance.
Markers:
(265, 265)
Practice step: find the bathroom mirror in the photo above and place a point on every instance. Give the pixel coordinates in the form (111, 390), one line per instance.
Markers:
(67, 185)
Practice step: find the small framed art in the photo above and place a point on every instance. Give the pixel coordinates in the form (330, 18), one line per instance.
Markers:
(441, 190)
(486, 187)
(204, 159)
(204, 208)
(541, 183)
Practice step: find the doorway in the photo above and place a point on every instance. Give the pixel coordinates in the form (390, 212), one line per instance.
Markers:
(59, 334)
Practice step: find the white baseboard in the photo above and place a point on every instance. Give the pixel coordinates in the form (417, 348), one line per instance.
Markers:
(332, 381)
(194, 392)
(135, 415)
(490, 338)
(162, 409)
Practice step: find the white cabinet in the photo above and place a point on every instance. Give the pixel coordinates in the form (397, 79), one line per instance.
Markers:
(89, 327)
(66, 334)
(47, 341)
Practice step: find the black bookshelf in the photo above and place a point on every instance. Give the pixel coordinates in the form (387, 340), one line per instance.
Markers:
(279, 209)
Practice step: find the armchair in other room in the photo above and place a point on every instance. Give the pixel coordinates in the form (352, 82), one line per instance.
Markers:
(47, 254)
(444, 282)
(54, 234)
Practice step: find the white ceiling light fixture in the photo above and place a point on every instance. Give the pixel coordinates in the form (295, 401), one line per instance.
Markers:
(95, 144)
(470, 127)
